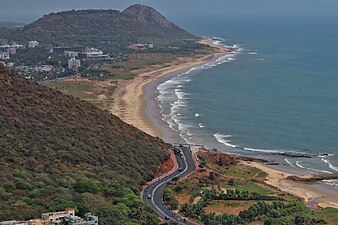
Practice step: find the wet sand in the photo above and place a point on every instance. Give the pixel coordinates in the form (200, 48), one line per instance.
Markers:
(130, 97)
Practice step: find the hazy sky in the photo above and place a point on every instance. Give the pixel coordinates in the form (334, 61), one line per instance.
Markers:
(29, 10)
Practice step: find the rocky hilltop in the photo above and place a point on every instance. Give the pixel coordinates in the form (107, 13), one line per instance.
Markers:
(81, 27)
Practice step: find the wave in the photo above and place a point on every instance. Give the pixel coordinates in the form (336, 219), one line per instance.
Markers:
(325, 160)
(221, 138)
(180, 94)
(264, 150)
(288, 162)
(252, 53)
(312, 169)
(331, 182)
(173, 100)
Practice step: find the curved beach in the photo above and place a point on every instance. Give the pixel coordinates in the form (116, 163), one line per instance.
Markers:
(136, 104)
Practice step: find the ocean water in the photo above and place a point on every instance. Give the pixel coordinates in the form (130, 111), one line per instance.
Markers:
(276, 94)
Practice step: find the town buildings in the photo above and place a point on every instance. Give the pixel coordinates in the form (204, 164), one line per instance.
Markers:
(4, 55)
(66, 217)
(33, 44)
(74, 63)
(93, 53)
(71, 54)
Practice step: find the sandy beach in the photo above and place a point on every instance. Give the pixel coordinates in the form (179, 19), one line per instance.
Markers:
(130, 105)
(129, 97)
(308, 192)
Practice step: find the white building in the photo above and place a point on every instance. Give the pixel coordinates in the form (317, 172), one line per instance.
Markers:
(74, 63)
(11, 51)
(4, 55)
(33, 44)
(57, 217)
(44, 68)
(94, 53)
(71, 54)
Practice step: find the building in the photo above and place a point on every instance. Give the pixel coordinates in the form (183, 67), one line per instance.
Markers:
(74, 63)
(4, 55)
(33, 44)
(59, 50)
(11, 51)
(57, 217)
(44, 68)
(13, 45)
(93, 53)
(66, 217)
(89, 219)
(71, 54)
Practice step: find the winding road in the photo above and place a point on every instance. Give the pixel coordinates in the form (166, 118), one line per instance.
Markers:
(153, 193)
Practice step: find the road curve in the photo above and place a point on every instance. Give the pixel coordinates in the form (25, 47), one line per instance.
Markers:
(153, 193)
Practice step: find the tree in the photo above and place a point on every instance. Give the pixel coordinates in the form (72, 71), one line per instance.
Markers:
(231, 182)
(83, 185)
(111, 216)
(299, 220)
(9, 186)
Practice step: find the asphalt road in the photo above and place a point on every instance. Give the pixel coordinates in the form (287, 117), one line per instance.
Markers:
(153, 194)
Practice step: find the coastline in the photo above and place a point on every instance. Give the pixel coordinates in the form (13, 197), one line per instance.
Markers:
(130, 102)
(136, 104)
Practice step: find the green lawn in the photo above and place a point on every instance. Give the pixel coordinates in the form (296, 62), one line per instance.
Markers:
(251, 187)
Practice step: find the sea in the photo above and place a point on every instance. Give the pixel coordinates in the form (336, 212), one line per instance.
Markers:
(274, 96)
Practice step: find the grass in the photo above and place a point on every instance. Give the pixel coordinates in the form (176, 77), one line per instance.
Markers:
(77, 89)
(251, 187)
(97, 93)
(329, 214)
(136, 62)
(229, 207)
(242, 171)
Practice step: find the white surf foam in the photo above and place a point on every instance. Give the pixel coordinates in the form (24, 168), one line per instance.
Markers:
(264, 150)
(221, 138)
(288, 162)
(171, 94)
(311, 169)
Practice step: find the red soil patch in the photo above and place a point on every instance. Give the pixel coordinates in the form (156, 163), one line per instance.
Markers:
(183, 199)
(165, 167)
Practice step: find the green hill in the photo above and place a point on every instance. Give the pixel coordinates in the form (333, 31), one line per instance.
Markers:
(84, 27)
(57, 151)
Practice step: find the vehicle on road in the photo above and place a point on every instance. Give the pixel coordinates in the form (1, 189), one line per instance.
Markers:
(149, 196)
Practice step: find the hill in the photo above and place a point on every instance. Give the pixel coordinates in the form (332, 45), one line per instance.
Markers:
(4, 24)
(82, 27)
(57, 151)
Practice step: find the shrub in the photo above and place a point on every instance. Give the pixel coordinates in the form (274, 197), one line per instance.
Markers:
(23, 185)
(9, 186)
(83, 185)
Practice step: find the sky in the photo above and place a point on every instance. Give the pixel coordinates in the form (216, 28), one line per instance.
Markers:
(29, 10)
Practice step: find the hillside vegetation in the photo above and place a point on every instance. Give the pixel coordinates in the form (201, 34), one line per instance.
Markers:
(57, 151)
(83, 27)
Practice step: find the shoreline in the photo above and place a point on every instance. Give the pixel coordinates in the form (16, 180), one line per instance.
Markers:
(130, 96)
(136, 104)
